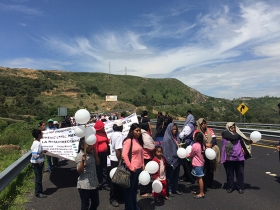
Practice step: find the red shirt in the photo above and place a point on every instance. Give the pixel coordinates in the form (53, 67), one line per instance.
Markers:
(101, 141)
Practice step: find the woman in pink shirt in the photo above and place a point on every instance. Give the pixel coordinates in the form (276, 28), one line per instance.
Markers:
(134, 160)
(197, 156)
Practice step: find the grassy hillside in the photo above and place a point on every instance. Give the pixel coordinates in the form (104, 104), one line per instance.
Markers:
(38, 93)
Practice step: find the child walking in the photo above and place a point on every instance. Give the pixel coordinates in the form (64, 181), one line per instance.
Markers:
(87, 185)
(160, 174)
(37, 161)
(197, 155)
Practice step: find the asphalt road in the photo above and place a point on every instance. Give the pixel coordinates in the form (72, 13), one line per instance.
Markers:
(262, 190)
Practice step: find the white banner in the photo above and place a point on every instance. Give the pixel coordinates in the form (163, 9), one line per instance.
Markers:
(63, 143)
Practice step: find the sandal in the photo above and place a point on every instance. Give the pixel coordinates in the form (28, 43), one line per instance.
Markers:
(198, 196)
(146, 195)
(167, 198)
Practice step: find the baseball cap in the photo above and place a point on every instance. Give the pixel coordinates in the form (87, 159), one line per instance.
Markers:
(55, 122)
(118, 123)
(50, 120)
(99, 125)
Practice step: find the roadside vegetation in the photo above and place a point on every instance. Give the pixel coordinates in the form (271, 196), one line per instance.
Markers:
(15, 140)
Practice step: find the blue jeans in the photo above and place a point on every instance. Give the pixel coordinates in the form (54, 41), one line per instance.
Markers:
(38, 178)
(130, 193)
(49, 160)
(89, 195)
(172, 177)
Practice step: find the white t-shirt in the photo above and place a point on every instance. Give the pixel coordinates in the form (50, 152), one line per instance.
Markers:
(116, 143)
(37, 152)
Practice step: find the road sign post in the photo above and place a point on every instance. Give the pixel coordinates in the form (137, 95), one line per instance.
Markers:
(242, 108)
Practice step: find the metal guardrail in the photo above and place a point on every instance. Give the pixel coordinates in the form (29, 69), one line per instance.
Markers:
(254, 125)
(13, 170)
(220, 126)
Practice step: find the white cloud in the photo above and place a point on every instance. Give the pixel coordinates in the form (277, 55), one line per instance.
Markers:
(20, 8)
(22, 24)
(270, 50)
(37, 63)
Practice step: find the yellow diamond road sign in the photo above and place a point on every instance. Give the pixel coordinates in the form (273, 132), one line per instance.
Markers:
(242, 108)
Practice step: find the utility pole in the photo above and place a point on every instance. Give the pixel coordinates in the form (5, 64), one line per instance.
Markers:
(109, 67)
(125, 72)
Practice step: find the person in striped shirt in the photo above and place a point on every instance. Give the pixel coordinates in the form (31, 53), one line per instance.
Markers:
(37, 161)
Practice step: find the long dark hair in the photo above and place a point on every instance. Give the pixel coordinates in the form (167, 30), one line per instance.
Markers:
(199, 138)
(81, 144)
(130, 134)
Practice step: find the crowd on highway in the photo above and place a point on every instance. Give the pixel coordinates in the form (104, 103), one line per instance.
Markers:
(138, 148)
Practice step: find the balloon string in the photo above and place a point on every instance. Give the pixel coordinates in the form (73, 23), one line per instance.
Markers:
(180, 145)
(85, 151)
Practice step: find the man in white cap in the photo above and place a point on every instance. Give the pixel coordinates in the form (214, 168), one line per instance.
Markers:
(116, 140)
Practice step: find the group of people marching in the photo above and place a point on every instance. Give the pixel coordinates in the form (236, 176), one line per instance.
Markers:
(138, 148)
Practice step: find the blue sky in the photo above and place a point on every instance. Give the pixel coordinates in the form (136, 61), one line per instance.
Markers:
(222, 48)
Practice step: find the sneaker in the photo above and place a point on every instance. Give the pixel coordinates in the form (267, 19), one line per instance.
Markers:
(177, 193)
(241, 191)
(114, 203)
(106, 188)
(41, 195)
(229, 190)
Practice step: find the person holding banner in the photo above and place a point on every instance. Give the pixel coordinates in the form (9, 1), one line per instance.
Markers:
(87, 184)
(52, 161)
(135, 163)
(116, 141)
(101, 145)
(37, 161)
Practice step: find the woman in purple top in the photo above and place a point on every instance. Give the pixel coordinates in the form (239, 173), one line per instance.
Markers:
(233, 156)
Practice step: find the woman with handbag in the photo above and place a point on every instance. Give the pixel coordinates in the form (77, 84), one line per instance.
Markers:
(236, 147)
(134, 160)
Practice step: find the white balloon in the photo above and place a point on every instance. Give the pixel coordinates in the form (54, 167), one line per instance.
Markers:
(80, 131)
(210, 154)
(255, 136)
(82, 116)
(91, 139)
(157, 186)
(112, 172)
(144, 178)
(189, 149)
(152, 167)
(90, 130)
(182, 153)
